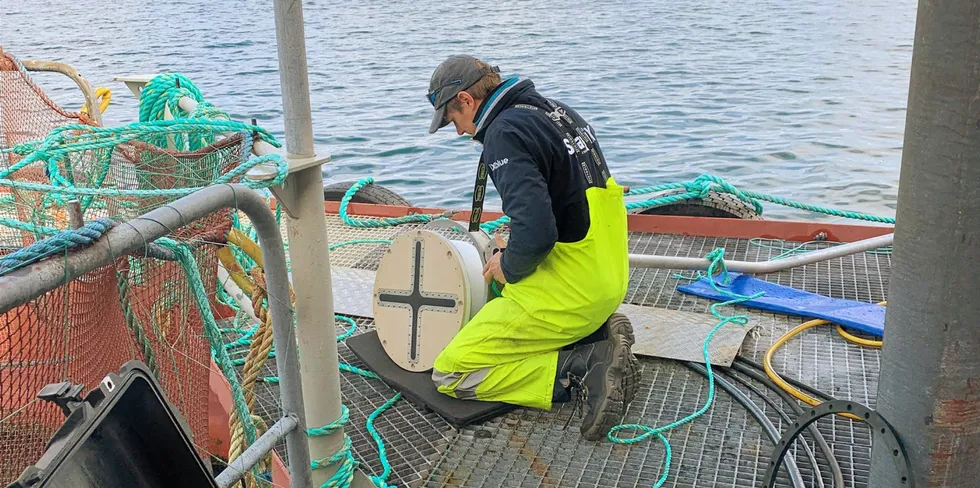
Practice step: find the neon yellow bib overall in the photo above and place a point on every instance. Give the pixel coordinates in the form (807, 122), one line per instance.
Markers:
(509, 351)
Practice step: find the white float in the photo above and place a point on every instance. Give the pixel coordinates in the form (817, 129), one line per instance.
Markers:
(426, 289)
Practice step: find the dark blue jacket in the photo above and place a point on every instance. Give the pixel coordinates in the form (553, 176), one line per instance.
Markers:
(541, 184)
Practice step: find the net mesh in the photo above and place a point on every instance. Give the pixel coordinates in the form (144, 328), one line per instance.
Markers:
(80, 331)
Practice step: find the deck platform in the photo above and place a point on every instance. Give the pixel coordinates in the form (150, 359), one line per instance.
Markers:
(725, 447)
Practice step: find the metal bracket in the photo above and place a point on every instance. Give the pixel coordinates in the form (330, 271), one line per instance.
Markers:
(283, 195)
(135, 83)
(881, 431)
(266, 172)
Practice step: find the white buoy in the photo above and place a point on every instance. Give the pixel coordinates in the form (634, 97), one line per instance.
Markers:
(426, 289)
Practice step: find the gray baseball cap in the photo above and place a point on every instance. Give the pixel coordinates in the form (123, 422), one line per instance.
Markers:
(455, 74)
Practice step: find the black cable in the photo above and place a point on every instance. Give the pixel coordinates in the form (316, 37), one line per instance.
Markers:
(798, 411)
(782, 414)
(799, 384)
(792, 470)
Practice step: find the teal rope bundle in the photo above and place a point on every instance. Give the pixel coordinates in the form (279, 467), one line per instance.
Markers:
(717, 264)
(345, 473)
(59, 243)
(164, 92)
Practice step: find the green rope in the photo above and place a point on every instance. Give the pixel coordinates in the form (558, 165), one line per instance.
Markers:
(345, 473)
(717, 264)
(132, 320)
(701, 186)
(381, 480)
(359, 241)
(37, 230)
(383, 222)
(164, 92)
(185, 256)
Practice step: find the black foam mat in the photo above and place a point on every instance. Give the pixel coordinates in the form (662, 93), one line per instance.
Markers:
(419, 388)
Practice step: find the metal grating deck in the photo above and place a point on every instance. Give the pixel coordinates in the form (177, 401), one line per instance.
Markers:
(724, 448)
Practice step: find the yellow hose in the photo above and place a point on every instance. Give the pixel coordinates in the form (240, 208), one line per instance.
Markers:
(859, 340)
(253, 250)
(788, 388)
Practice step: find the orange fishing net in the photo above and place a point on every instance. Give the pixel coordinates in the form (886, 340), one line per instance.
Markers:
(80, 331)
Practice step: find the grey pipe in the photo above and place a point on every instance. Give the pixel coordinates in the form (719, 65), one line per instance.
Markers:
(32, 281)
(792, 470)
(237, 469)
(763, 267)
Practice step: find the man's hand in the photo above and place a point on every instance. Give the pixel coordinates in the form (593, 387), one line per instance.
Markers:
(493, 270)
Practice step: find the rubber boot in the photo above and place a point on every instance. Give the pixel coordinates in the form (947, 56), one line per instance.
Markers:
(597, 374)
(617, 323)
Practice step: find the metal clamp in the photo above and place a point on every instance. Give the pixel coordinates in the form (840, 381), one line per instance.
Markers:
(65, 395)
(881, 431)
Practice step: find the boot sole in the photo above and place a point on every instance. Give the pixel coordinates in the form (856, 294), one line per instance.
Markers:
(620, 325)
(612, 407)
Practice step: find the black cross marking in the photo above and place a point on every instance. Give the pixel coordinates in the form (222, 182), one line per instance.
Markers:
(417, 299)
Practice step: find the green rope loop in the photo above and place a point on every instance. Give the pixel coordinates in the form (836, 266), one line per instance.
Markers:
(382, 480)
(345, 473)
(383, 222)
(716, 267)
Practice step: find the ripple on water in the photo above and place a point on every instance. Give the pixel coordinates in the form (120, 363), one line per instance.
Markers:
(773, 97)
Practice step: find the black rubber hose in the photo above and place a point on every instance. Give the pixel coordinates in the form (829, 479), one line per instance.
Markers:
(798, 411)
(772, 403)
(794, 472)
(799, 384)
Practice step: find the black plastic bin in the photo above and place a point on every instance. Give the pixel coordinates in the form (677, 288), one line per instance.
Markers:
(122, 434)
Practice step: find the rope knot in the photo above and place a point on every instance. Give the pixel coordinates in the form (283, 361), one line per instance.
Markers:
(700, 185)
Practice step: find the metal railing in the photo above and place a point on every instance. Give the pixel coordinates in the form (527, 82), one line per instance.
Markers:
(30, 282)
(91, 100)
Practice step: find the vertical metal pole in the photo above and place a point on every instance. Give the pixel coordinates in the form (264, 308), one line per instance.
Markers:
(308, 246)
(75, 217)
(929, 388)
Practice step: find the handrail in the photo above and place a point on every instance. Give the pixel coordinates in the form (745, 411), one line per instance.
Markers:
(762, 267)
(55, 67)
(32, 281)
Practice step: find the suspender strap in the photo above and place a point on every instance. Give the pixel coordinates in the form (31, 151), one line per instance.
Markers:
(479, 193)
